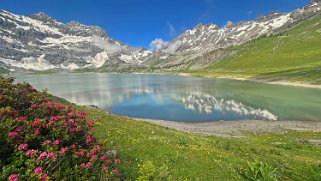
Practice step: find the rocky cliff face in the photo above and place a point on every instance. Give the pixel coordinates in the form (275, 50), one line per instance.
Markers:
(39, 42)
(211, 38)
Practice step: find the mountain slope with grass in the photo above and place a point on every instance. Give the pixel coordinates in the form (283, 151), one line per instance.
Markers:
(197, 48)
(293, 55)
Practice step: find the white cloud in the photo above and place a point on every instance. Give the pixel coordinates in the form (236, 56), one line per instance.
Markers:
(107, 46)
(158, 44)
(172, 30)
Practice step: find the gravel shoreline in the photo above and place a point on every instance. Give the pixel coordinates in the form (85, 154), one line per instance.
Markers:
(296, 84)
(239, 128)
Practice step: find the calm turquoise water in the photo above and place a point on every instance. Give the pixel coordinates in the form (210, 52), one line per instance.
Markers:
(177, 98)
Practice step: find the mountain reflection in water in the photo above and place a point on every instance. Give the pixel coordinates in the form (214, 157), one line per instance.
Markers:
(177, 98)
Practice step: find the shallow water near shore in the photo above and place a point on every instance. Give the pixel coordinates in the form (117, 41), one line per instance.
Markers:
(178, 98)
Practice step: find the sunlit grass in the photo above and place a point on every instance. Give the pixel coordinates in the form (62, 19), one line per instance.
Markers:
(293, 55)
(191, 156)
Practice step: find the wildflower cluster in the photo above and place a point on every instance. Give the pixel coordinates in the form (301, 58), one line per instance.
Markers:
(42, 140)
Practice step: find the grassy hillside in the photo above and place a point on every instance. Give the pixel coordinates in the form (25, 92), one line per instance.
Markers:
(3, 71)
(293, 55)
(178, 156)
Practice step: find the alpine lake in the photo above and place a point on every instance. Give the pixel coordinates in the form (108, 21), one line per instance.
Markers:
(181, 98)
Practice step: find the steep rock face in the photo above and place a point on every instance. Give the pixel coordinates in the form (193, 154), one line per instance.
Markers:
(39, 42)
(202, 39)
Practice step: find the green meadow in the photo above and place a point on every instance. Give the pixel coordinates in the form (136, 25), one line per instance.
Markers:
(154, 152)
(293, 55)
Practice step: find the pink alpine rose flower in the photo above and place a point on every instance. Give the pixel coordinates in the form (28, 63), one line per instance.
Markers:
(23, 146)
(71, 130)
(45, 126)
(20, 119)
(42, 155)
(88, 164)
(44, 99)
(81, 152)
(12, 134)
(36, 131)
(56, 142)
(13, 112)
(51, 155)
(29, 152)
(116, 161)
(93, 151)
(13, 177)
(88, 139)
(19, 129)
(89, 123)
(63, 150)
(47, 142)
(71, 114)
(37, 170)
(44, 177)
(98, 147)
(64, 122)
(115, 171)
(36, 106)
(83, 165)
(81, 115)
(55, 118)
(35, 122)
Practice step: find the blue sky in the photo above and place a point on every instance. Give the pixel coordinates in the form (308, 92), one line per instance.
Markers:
(138, 22)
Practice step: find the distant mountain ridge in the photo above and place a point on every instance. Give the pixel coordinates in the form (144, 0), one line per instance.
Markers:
(41, 43)
(208, 38)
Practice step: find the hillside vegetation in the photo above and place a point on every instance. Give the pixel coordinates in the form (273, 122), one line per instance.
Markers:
(146, 151)
(158, 152)
(293, 55)
(44, 140)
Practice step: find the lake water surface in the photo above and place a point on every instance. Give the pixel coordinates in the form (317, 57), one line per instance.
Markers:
(177, 98)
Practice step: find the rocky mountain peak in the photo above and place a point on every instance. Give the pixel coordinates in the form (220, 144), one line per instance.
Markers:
(94, 30)
(229, 24)
(198, 26)
(315, 1)
(43, 17)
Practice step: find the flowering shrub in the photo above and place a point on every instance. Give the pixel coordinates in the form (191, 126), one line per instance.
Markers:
(42, 140)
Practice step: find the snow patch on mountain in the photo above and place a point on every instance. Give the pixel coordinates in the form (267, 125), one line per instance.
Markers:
(67, 39)
(136, 57)
(30, 63)
(71, 66)
(99, 59)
